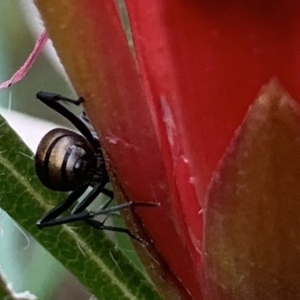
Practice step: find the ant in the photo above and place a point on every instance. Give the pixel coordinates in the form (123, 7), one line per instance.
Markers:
(68, 161)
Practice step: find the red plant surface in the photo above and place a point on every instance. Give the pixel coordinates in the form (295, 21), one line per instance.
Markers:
(166, 120)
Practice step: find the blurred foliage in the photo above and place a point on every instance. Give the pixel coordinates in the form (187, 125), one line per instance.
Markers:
(16, 43)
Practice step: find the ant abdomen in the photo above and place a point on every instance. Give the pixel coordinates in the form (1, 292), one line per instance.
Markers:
(64, 160)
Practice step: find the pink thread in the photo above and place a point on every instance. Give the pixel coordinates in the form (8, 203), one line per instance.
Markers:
(28, 63)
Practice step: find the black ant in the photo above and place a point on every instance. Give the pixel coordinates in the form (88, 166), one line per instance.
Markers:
(68, 161)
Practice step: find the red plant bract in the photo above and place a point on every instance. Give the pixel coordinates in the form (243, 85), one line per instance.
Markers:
(166, 126)
(209, 60)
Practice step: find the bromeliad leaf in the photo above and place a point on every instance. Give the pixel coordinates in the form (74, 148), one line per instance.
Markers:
(86, 252)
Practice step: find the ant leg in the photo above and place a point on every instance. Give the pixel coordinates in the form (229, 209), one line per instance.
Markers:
(50, 217)
(101, 226)
(57, 97)
(50, 99)
(81, 206)
(77, 214)
(88, 215)
(108, 210)
(108, 193)
(106, 203)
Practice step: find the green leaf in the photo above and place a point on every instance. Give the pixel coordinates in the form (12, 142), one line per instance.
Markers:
(86, 252)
